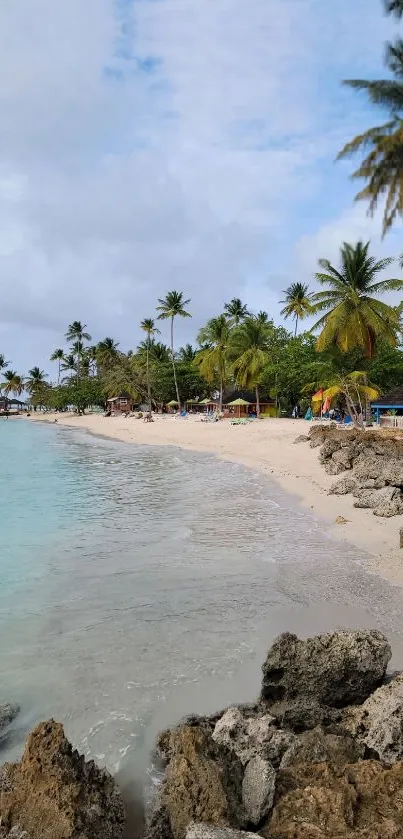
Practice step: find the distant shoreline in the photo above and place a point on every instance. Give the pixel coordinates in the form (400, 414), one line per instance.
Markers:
(268, 447)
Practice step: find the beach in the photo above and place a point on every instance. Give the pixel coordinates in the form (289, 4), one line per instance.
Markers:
(267, 446)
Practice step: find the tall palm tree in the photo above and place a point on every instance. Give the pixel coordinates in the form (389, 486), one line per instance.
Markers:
(3, 362)
(382, 166)
(76, 335)
(14, 383)
(69, 363)
(250, 353)
(354, 316)
(170, 307)
(213, 359)
(298, 303)
(187, 354)
(148, 326)
(262, 316)
(36, 377)
(236, 311)
(58, 355)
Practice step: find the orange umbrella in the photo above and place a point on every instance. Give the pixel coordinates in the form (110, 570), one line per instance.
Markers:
(317, 397)
(326, 405)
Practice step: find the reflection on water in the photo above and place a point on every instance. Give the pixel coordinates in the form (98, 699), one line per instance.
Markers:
(141, 584)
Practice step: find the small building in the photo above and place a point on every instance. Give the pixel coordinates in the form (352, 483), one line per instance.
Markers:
(389, 409)
(121, 404)
(267, 406)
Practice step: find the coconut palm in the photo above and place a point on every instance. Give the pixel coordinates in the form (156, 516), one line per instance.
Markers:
(354, 316)
(69, 363)
(3, 362)
(58, 355)
(187, 354)
(382, 166)
(76, 332)
(236, 311)
(13, 383)
(170, 307)
(148, 326)
(250, 353)
(213, 359)
(36, 377)
(106, 353)
(298, 303)
(262, 317)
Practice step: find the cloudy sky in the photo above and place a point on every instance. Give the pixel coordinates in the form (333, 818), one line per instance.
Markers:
(155, 144)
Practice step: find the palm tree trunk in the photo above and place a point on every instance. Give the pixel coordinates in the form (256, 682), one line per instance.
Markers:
(257, 401)
(58, 375)
(296, 326)
(173, 364)
(148, 376)
(221, 392)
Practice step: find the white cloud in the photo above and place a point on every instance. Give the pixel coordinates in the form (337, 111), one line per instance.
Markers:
(164, 143)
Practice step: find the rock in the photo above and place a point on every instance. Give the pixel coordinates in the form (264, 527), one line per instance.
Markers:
(317, 746)
(372, 498)
(336, 669)
(343, 486)
(8, 712)
(320, 801)
(203, 783)
(329, 447)
(344, 457)
(392, 507)
(392, 471)
(258, 786)
(15, 833)
(207, 831)
(333, 468)
(249, 737)
(53, 793)
(302, 438)
(303, 713)
(378, 723)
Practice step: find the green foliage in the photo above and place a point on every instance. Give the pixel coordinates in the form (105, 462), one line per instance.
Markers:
(298, 303)
(190, 382)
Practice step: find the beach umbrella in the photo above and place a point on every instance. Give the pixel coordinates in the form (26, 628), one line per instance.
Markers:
(205, 402)
(318, 396)
(238, 403)
(172, 404)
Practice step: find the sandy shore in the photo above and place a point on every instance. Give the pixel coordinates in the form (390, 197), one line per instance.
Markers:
(269, 447)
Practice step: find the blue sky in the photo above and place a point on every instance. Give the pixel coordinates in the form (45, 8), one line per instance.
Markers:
(155, 144)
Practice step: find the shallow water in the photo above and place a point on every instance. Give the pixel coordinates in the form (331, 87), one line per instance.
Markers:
(139, 584)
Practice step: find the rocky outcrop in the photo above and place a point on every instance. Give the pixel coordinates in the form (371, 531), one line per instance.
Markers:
(8, 712)
(272, 770)
(374, 460)
(335, 669)
(53, 793)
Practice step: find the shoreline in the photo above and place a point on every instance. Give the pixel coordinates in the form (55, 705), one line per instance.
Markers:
(266, 447)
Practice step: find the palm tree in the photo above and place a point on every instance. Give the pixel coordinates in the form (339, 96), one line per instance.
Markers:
(394, 7)
(69, 363)
(236, 311)
(107, 353)
(354, 315)
(14, 383)
(382, 166)
(36, 377)
(355, 390)
(76, 335)
(212, 360)
(148, 326)
(58, 355)
(298, 303)
(187, 354)
(3, 362)
(170, 307)
(250, 353)
(262, 317)
(159, 352)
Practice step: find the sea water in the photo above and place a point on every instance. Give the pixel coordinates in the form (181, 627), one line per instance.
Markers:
(139, 584)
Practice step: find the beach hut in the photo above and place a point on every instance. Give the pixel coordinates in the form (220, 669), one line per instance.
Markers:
(389, 409)
(121, 404)
(248, 404)
(172, 404)
(241, 406)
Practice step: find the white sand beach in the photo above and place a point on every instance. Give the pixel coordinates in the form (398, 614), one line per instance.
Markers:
(267, 446)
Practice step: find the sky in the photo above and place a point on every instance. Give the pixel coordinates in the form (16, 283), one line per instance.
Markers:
(150, 145)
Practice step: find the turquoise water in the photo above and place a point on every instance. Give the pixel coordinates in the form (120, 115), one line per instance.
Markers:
(138, 584)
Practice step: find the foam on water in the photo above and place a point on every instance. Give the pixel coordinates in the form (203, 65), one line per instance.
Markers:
(141, 584)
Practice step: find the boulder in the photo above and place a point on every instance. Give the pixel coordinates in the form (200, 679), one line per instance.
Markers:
(318, 801)
(8, 712)
(373, 498)
(336, 669)
(207, 831)
(249, 737)
(319, 746)
(343, 486)
(390, 507)
(329, 447)
(53, 793)
(258, 787)
(302, 438)
(203, 783)
(332, 467)
(344, 456)
(378, 723)
(393, 472)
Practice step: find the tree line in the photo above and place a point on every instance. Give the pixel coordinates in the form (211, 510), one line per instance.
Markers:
(353, 349)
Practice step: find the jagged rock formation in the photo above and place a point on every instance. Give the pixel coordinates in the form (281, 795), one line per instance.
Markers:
(53, 793)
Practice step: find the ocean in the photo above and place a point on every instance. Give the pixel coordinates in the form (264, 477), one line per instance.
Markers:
(140, 584)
